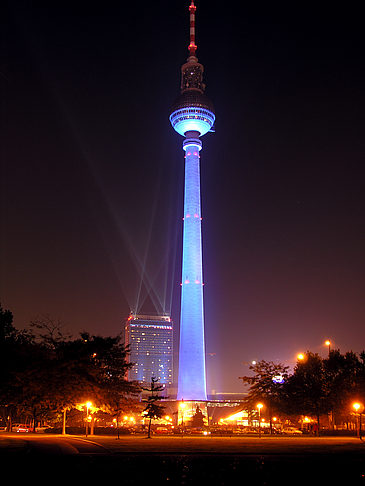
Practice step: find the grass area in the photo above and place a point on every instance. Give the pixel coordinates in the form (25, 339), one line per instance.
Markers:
(229, 445)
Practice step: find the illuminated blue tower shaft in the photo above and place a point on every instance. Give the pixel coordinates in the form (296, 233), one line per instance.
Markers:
(192, 116)
(192, 381)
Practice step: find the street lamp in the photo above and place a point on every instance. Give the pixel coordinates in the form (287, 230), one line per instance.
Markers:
(359, 408)
(182, 407)
(259, 407)
(328, 343)
(300, 356)
(88, 405)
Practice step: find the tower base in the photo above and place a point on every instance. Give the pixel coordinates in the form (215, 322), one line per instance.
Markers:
(192, 413)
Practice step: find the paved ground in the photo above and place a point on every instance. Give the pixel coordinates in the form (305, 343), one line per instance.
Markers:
(133, 460)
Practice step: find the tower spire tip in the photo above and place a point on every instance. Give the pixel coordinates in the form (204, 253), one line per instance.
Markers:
(192, 46)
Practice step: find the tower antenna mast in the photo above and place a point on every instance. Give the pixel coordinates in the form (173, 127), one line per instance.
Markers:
(192, 45)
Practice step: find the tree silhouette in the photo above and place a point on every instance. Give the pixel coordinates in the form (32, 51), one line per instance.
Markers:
(153, 410)
(45, 372)
(266, 385)
(308, 388)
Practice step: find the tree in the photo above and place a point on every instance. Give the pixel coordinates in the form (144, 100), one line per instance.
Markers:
(153, 410)
(48, 331)
(16, 352)
(7, 330)
(116, 394)
(342, 373)
(44, 371)
(266, 385)
(307, 389)
(360, 378)
(99, 372)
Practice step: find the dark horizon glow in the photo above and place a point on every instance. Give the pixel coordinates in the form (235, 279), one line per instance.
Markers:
(91, 186)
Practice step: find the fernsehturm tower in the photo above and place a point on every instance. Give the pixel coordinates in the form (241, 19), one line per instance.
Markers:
(192, 117)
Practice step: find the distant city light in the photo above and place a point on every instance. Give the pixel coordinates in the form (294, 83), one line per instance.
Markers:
(278, 379)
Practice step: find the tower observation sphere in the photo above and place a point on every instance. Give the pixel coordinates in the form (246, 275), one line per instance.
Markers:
(192, 116)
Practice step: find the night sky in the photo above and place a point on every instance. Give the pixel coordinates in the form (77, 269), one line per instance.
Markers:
(92, 172)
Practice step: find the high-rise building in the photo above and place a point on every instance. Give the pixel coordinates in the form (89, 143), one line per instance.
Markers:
(192, 116)
(150, 340)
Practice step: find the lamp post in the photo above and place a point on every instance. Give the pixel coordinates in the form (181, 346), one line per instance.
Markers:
(259, 407)
(182, 407)
(64, 422)
(328, 343)
(359, 408)
(88, 405)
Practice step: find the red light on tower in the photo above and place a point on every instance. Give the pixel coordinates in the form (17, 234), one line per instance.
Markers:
(192, 45)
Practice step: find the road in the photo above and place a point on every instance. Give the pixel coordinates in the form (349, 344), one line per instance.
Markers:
(134, 460)
(54, 445)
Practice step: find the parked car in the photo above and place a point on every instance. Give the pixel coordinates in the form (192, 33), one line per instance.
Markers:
(162, 430)
(250, 430)
(42, 429)
(23, 428)
(198, 431)
(291, 431)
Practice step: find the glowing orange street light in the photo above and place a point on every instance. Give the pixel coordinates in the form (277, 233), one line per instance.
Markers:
(328, 343)
(359, 408)
(88, 405)
(300, 356)
(259, 407)
(182, 407)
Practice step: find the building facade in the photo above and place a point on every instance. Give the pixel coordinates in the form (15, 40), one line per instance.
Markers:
(150, 340)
